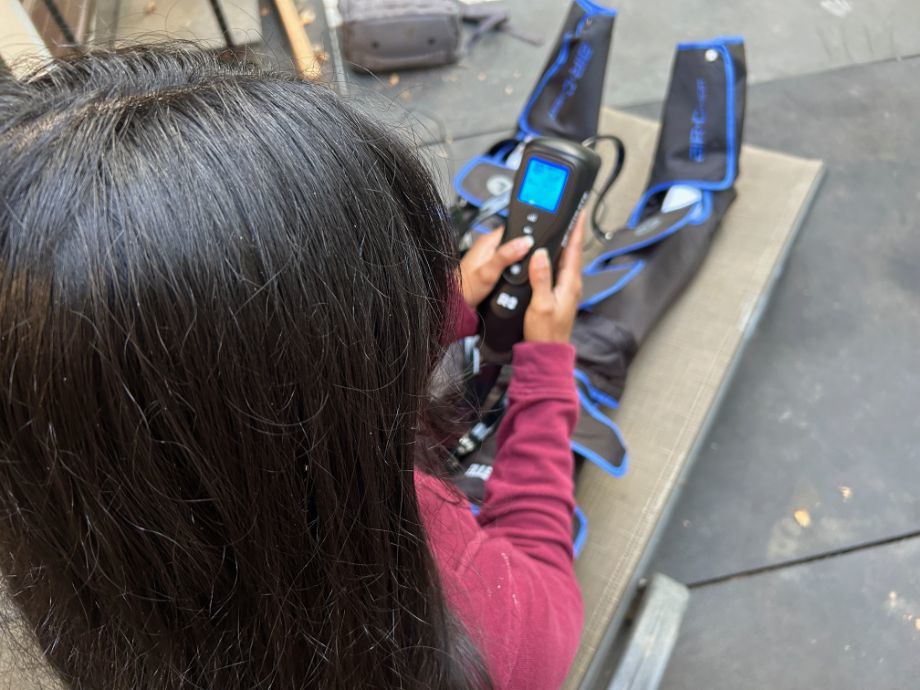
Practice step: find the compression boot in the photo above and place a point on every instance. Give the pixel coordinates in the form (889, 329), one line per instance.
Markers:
(644, 266)
(565, 102)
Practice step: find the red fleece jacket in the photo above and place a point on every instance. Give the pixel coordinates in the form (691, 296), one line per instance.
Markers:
(508, 572)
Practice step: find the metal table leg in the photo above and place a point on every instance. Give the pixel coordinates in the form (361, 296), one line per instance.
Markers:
(20, 45)
(61, 23)
(222, 23)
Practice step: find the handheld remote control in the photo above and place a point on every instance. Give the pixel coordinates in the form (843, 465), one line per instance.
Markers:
(550, 188)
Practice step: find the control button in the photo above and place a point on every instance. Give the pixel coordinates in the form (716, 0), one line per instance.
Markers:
(507, 301)
(515, 269)
(532, 217)
(528, 230)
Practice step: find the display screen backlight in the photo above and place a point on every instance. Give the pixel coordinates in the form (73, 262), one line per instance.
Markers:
(543, 184)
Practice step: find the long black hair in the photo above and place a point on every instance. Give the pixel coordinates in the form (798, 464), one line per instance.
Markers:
(222, 294)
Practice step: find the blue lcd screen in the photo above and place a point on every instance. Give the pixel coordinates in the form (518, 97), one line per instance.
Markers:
(543, 184)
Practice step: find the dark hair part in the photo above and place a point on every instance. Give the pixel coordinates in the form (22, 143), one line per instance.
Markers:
(221, 297)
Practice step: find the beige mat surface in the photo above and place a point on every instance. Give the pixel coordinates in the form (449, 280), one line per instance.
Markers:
(675, 381)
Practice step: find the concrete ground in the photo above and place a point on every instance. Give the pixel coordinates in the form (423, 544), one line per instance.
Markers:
(798, 530)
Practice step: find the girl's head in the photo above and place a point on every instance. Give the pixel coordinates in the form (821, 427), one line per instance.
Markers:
(221, 297)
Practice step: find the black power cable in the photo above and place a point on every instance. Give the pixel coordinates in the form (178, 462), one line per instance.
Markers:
(620, 150)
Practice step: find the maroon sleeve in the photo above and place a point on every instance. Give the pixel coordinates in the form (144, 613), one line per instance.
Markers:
(509, 573)
(530, 495)
(462, 320)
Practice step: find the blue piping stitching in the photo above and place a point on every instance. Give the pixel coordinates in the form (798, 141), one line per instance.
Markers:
(596, 459)
(475, 509)
(732, 171)
(599, 264)
(481, 229)
(582, 535)
(667, 232)
(501, 153)
(589, 454)
(464, 171)
(731, 165)
(717, 41)
(699, 214)
(634, 269)
(559, 62)
(593, 410)
(594, 9)
(595, 393)
(550, 73)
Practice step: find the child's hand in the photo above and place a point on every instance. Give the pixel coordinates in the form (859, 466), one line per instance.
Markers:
(482, 265)
(551, 313)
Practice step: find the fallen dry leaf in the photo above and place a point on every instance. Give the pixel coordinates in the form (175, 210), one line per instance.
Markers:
(263, 10)
(481, 76)
(406, 96)
(846, 492)
(307, 17)
(802, 517)
(394, 79)
(892, 595)
(509, 90)
(150, 7)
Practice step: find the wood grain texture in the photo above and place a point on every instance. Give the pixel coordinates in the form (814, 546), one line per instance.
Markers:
(301, 48)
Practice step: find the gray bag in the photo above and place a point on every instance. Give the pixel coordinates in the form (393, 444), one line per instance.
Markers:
(397, 34)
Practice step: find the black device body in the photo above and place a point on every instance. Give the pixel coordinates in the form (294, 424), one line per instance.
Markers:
(550, 188)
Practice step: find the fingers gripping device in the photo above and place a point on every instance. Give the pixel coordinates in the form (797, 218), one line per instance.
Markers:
(550, 188)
